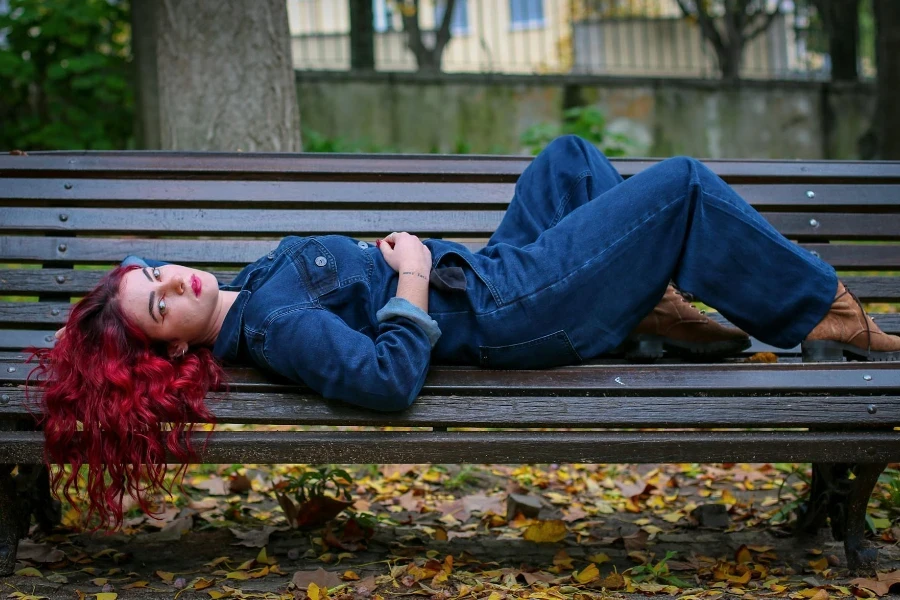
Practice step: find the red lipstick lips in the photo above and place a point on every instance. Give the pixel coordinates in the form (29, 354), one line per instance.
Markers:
(196, 286)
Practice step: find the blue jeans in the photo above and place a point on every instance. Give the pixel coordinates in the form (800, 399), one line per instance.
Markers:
(581, 256)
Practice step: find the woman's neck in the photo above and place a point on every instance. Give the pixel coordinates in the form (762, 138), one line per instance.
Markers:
(225, 302)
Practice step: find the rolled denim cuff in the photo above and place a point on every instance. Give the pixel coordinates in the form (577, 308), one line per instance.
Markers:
(401, 307)
(131, 259)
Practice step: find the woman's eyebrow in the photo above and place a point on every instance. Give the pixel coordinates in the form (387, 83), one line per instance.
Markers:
(152, 294)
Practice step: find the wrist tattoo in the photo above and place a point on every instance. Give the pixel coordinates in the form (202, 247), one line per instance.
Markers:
(413, 273)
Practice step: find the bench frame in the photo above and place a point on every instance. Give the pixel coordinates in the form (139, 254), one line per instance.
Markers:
(60, 209)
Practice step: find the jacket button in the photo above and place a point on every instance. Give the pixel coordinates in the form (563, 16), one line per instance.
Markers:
(270, 255)
(362, 245)
(320, 261)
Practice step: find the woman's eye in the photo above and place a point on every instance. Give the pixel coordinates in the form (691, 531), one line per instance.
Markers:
(156, 273)
(162, 307)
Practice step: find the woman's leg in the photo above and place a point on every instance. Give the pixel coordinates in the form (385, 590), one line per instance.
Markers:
(605, 264)
(565, 175)
(569, 173)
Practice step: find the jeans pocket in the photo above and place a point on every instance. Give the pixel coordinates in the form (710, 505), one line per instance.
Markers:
(553, 350)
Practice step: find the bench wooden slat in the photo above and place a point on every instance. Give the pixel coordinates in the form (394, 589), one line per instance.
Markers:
(499, 447)
(683, 379)
(157, 193)
(379, 193)
(260, 166)
(430, 223)
(241, 252)
(532, 411)
(43, 339)
(76, 282)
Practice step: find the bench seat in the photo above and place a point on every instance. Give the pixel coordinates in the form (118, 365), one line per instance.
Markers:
(68, 217)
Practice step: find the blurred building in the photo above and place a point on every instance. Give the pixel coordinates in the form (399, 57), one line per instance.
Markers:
(613, 37)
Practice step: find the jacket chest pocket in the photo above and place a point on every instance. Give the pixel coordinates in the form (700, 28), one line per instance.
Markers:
(317, 268)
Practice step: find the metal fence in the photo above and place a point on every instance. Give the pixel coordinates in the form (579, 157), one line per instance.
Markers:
(603, 37)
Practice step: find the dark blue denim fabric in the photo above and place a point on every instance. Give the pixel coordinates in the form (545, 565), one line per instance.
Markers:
(579, 258)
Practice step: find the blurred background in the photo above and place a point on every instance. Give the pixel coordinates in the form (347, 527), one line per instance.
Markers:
(808, 79)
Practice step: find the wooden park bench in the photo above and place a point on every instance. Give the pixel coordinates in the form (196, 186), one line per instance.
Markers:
(67, 217)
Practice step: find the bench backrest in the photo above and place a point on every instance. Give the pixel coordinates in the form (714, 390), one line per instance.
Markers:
(68, 217)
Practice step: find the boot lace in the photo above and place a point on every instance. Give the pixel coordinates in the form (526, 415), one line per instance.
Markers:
(865, 317)
(687, 297)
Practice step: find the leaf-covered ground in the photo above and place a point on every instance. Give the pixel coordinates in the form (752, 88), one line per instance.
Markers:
(488, 532)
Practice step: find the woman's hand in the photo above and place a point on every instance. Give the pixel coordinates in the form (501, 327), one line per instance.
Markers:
(404, 252)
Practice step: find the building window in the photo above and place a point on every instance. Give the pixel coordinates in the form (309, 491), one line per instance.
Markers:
(459, 22)
(526, 14)
(384, 15)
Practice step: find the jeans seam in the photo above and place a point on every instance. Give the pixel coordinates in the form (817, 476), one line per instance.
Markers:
(594, 258)
(565, 199)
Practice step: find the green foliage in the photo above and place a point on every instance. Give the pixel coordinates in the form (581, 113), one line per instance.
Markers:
(467, 476)
(657, 573)
(890, 481)
(313, 141)
(65, 75)
(312, 483)
(587, 122)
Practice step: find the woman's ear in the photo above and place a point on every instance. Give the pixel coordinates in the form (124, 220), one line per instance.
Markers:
(177, 349)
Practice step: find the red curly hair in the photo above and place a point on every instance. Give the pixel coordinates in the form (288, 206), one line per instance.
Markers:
(113, 402)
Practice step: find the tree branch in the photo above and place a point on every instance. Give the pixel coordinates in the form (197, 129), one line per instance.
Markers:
(443, 33)
(766, 22)
(706, 25)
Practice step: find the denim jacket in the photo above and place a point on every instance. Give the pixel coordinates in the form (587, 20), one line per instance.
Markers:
(322, 311)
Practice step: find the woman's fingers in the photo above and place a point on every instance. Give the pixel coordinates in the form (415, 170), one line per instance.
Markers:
(59, 333)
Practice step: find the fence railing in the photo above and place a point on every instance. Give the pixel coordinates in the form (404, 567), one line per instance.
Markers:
(639, 38)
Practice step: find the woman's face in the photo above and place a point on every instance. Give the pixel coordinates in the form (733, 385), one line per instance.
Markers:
(171, 303)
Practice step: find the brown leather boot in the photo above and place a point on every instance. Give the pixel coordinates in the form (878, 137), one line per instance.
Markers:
(676, 326)
(847, 331)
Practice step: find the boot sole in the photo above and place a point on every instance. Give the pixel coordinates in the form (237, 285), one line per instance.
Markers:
(831, 351)
(648, 348)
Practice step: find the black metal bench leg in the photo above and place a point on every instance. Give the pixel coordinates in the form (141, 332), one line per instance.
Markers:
(828, 482)
(860, 557)
(10, 521)
(34, 486)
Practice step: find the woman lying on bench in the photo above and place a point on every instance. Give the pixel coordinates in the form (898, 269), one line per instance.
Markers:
(580, 266)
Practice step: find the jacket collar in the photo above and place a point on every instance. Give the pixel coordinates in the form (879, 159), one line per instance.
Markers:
(229, 339)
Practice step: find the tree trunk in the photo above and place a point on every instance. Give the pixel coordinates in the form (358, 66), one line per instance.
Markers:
(362, 35)
(427, 59)
(216, 75)
(730, 59)
(841, 21)
(886, 126)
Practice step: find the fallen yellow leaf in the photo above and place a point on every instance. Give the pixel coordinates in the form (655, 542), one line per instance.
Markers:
(546, 531)
(165, 576)
(743, 556)
(202, 584)
(819, 565)
(598, 558)
(350, 576)
(107, 596)
(238, 575)
(588, 574)
(313, 591)
(135, 585)
(28, 572)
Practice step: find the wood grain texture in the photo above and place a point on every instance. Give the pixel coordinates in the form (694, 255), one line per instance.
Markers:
(353, 167)
(774, 411)
(499, 447)
(91, 250)
(682, 380)
(382, 192)
(457, 221)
